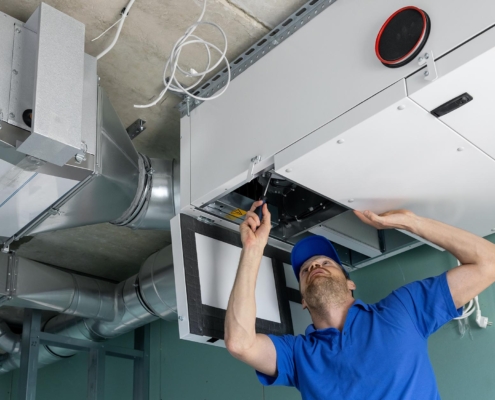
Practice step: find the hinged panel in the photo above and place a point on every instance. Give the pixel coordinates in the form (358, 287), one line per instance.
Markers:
(467, 70)
(401, 157)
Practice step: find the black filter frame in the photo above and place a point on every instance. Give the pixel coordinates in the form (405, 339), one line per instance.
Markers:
(411, 53)
(209, 321)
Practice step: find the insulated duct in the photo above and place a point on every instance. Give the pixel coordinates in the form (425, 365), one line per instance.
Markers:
(132, 303)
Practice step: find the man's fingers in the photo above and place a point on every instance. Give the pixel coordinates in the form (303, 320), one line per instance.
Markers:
(255, 205)
(251, 214)
(252, 224)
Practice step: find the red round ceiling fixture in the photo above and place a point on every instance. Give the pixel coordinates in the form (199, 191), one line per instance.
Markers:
(402, 36)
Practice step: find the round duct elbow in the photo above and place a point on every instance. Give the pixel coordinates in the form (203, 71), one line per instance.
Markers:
(157, 284)
(158, 197)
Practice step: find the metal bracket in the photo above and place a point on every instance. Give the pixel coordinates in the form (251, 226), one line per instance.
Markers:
(136, 128)
(12, 264)
(431, 69)
(206, 220)
(255, 160)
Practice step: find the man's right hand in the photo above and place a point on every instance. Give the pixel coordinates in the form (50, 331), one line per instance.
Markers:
(254, 233)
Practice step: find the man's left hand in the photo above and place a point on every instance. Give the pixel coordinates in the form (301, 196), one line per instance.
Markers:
(397, 219)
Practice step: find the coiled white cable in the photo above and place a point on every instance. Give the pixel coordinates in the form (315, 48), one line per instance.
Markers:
(172, 64)
(119, 29)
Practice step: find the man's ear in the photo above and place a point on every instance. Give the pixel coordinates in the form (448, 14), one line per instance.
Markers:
(351, 285)
(304, 305)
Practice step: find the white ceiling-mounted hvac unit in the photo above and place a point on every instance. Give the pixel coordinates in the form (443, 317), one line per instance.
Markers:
(370, 105)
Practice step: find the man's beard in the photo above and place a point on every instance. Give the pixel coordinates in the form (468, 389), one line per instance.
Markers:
(325, 291)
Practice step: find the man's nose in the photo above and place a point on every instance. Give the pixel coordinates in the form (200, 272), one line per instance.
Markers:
(314, 265)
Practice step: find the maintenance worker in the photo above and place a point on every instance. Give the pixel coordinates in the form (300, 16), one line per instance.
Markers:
(355, 350)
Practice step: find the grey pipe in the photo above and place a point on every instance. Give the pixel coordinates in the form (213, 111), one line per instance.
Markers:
(137, 301)
(9, 342)
(26, 283)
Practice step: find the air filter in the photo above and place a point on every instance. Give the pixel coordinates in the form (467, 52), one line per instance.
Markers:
(402, 37)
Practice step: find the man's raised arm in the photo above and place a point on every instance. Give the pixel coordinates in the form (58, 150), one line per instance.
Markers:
(241, 338)
(476, 254)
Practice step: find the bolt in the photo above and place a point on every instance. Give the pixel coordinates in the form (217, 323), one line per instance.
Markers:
(14, 72)
(275, 42)
(427, 73)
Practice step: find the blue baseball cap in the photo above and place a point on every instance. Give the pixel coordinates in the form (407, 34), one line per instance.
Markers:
(313, 246)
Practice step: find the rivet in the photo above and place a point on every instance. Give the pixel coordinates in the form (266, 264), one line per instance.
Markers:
(427, 73)
(288, 170)
(340, 141)
(401, 107)
(350, 200)
(460, 148)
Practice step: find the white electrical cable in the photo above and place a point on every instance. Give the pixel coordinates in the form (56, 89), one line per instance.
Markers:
(172, 64)
(121, 24)
(115, 23)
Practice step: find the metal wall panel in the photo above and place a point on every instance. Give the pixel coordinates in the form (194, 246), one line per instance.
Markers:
(322, 71)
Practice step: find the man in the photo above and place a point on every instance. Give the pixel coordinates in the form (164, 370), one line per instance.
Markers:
(355, 350)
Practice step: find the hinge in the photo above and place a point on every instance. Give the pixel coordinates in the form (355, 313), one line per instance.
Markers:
(11, 287)
(431, 69)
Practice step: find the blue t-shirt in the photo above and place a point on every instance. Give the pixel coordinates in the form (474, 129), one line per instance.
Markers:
(380, 354)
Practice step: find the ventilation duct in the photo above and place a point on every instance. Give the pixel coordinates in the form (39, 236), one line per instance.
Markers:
(116, 309)
(69, 163)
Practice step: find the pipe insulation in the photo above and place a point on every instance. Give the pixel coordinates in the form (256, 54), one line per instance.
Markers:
(137, 301)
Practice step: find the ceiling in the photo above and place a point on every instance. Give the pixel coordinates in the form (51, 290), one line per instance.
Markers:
(132, 74)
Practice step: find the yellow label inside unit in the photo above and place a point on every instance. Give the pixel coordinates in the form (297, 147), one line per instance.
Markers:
(237, 213)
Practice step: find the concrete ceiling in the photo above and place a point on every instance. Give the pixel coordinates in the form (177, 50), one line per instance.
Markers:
(131, 74)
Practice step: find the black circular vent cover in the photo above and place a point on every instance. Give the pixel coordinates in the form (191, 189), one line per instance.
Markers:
(402, 36)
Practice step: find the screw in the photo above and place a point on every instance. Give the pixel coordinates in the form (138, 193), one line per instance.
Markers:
(401, 107)
(288, 170)
(196, 102)
(12, 115)
(421, 59)
(80, 158)
(17, 30)
(181, 318)
(427, 73)
(460, 149)
(340, 141)
(14, 72)
(427, 56)
(275, 42)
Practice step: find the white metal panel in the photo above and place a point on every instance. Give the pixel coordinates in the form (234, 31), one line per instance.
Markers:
(185, 163)
(217, 265)
(90, 104)
(6, 51)
(326, 68)
(467, 69)
(400, 159)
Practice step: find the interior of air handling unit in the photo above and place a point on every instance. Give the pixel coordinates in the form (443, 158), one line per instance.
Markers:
(297, 212)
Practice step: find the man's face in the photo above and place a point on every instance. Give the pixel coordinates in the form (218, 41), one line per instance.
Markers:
(322, 280)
